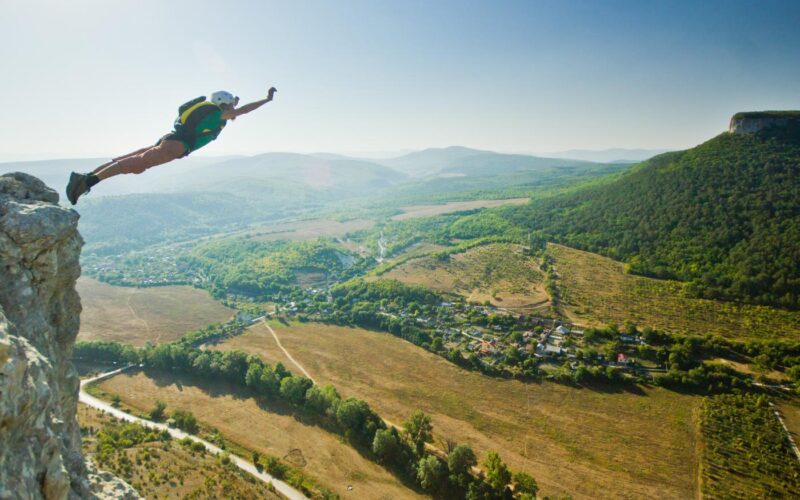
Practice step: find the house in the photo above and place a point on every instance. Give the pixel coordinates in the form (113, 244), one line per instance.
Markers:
(552, 350)
(244, 317)
(562, 330)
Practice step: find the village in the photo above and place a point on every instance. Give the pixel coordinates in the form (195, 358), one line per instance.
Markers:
(495, 339)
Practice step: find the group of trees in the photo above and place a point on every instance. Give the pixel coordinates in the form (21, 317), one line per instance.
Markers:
(259, 269)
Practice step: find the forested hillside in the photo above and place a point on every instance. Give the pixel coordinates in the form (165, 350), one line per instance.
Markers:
(723, 216)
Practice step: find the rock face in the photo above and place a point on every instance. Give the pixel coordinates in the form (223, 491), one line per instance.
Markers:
(752, 122)
(40, 442)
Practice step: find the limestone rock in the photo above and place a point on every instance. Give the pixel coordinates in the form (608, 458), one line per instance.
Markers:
(752, 122)
(40, 455)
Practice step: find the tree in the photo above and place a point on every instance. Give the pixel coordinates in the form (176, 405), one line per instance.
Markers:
(386, 446)
(460, 461)
(419, 430)
(157, 413)
(115, 400)
(294, 389)
(270, 382)
(185, 420)
(512, 356)
(253, 377)
(497, 474)
(431, 473)
(525, 486)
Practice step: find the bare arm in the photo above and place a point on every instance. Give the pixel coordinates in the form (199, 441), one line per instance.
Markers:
(230, 114)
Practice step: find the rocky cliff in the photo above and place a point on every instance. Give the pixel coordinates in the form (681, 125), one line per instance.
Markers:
(751, 122)
(40, 442)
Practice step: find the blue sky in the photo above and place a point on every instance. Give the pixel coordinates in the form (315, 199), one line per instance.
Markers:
(104, 77)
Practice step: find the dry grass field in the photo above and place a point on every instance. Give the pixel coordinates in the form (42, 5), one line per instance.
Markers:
(137, 315)
(266, 427)
(790, 410)
(595, 290)
(308, 229)
(415, 211)
(581, 442)
(499, 273)
(168, 470)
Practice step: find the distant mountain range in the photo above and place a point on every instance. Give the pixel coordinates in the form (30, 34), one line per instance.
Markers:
(199, 195)
(291, 174)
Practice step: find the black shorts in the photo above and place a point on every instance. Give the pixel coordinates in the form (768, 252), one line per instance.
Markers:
(182, 138)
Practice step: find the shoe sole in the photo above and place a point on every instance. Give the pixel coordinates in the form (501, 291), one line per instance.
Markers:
(72, 188)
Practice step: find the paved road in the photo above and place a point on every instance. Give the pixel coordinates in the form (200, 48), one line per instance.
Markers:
(246, 466)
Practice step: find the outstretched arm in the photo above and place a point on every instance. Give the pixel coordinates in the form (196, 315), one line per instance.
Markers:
(229, 114)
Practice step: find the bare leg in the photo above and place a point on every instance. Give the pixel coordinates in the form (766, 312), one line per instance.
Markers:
(137, 152)
(138, 163)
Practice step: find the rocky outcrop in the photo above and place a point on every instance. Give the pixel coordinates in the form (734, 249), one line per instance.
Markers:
(40, 442)
(752, 122)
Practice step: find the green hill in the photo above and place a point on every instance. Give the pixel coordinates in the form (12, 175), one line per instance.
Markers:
(723, 216)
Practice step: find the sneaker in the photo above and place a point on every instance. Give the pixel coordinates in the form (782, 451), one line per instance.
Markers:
(76, 187)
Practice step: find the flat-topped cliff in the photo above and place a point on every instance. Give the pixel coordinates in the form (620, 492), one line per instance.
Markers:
(40, 441)
(750, 122)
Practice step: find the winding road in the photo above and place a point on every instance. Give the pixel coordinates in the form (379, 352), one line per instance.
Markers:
(84, 397)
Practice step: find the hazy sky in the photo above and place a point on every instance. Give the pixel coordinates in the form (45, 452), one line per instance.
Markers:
(96, 78)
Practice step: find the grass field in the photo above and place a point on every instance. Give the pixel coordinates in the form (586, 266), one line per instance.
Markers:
(308, 229)
(415, 211)
(169, 470)
(580, 442)
(137, 315)
(499, 273)
(266, 427)
(595, 290)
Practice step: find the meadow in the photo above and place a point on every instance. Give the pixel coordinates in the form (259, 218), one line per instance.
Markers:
(271, 428)
(582, 442)
(138, 315)
(498, 273)
(595, 290)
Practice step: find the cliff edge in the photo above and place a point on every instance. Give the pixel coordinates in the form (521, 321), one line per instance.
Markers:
(751, 122)
(40, 455)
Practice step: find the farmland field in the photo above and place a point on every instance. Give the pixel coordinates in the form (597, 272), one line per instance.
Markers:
(414, 211)
(499, 273)
(308, 229)
(137, 315)
(169, 470)
(746, 454)
(267, 427)
(595, 290)
(578, 442)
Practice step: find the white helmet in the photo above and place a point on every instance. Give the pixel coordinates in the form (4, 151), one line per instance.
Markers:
(222, 97)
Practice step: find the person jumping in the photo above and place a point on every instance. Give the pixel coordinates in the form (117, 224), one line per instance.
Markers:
(199, 122)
